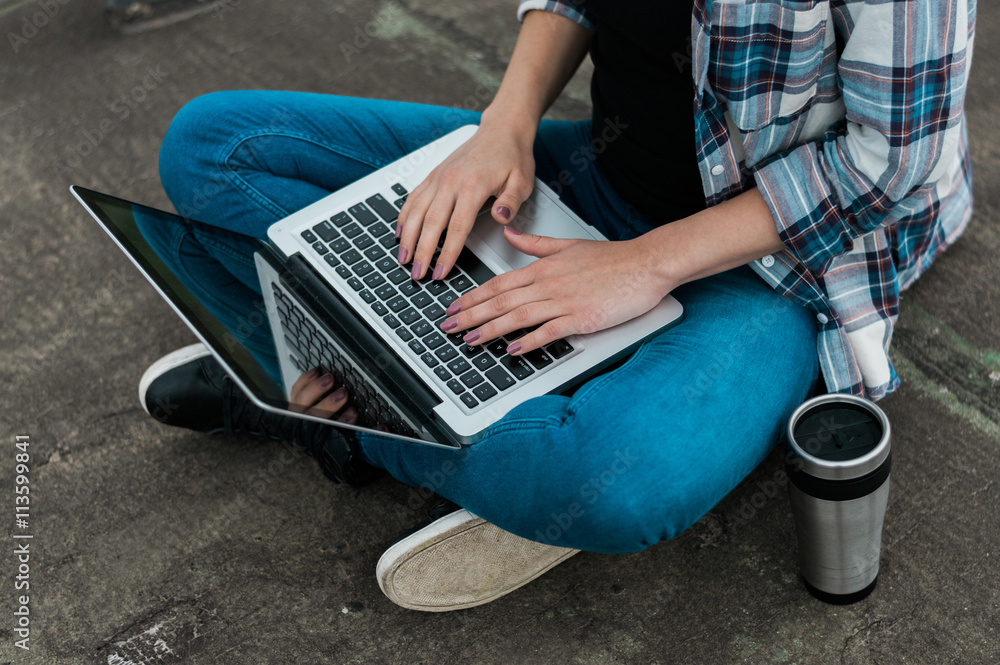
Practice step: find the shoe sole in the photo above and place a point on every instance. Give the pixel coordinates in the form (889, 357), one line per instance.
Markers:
(167, 363)
(475, 562)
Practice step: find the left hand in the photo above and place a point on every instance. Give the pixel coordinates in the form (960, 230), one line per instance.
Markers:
(576, 286)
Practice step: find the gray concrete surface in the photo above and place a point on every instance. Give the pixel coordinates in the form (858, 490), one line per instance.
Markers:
(153, 545)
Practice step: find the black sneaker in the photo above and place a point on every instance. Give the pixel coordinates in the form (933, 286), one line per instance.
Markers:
(188, 388)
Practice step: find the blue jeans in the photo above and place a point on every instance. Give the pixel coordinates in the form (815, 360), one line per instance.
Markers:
(632, 457)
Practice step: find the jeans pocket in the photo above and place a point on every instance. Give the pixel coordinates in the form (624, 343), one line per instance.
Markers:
(766, 58)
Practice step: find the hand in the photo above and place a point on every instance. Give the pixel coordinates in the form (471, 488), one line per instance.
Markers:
(576, 286)
(311, 394)
(494, 162)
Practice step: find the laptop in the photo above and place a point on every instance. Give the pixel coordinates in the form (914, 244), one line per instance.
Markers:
(329, 293)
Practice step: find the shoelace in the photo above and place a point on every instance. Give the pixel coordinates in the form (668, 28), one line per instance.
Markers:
(240, 415)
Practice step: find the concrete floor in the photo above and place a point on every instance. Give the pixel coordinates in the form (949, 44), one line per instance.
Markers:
(155, 545)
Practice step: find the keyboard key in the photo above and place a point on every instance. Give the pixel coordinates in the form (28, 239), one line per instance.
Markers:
(517, 366)
(416, 346)
(484, 392)
(355, 283)
(428, 358)
(363, 268)
(378, 229)
(375, 253)
(367, 296)
(483, 362)
(446, 353)
(559, 348)
(399, 202)
(398, 303)
(379, 308)
(385, 292)
(473, 267)
(470, 351)
(398, 275)
(384, 209)
(468, 400)
(456, 338)
(364, 242)
(421, 300)
(399, 189)
(459, 366)
(389, 241)
(447, 298)
(391, 321)
(513, 335)
(408, 288)
(362, 214)
(497, 347)
(320, 247)
(538, 358)
(332, 259)
(408, 316)
(351, 230)
(404, 334)
(351, 256)
(472, 378)
(434, 341)
(309, 236)
(442, 373)
(340, 219)
(436, 288)
(344, 272)
(387, 264)
(340, 245)
(461, 283)
(374, 280)
(434, 312)
(455, 387)
(326, 231)
(499, 378)
(421, 328)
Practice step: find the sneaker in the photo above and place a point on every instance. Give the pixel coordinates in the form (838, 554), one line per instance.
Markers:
(456, 560)
(188, 388)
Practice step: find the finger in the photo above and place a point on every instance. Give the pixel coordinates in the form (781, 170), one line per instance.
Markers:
(330, 404)
(523, 316)
(409, 229)
(548, 332)
(434, 223)
(533, 245)
(508, 281)
(311, 392)
(514, 192)
(301, 383)
(462, 219)
(349, 416)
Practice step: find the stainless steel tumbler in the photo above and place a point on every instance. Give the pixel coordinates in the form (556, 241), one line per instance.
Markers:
(838, 464)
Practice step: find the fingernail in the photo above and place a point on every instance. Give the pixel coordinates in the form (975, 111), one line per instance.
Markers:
(471, 337)
(312, 373)
(514, 348)
(511, 230)
(350, 415)
(449, 323)
(404, 254)
(339, 395)
(438, 272)
(415, 273)
(326, 381)
(504, 212)
(453, 308)
(399, 229)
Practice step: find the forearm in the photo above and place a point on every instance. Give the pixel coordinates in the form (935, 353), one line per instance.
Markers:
(549, 50)
(714, 240)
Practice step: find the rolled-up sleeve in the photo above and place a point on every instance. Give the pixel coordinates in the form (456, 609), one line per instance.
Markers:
(903, 73)
(569, 10)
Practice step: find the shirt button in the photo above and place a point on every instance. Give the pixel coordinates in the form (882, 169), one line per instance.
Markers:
(718, 169)
(768, 261)
(822, 318)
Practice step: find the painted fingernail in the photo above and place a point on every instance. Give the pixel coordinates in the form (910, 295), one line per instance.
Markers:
(311, 374)
(399, 229)
(339, 395)
(504, 212)
(511, 230)
(350, 415)
(454, 308)
(449, 323)
(404, 254)
(438, 272)
(415, 273)
(471, 337)
(326, 381)
(514, 348)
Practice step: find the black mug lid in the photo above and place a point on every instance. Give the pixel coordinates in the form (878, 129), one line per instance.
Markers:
(839, 436)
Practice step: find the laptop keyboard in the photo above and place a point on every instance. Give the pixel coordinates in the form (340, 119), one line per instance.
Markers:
(360, 246)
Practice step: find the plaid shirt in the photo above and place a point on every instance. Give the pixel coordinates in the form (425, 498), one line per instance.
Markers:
(848, 116)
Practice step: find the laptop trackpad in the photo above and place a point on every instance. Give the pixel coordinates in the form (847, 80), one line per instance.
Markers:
(552, 222)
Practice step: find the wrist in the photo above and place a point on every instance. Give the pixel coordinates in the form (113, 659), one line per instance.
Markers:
(519, 126)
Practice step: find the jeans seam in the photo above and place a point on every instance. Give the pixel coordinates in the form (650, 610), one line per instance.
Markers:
(589, 391)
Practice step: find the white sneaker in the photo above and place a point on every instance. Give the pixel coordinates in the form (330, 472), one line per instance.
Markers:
(457, 560)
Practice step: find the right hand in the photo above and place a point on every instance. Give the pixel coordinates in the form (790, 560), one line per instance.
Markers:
(494, 162)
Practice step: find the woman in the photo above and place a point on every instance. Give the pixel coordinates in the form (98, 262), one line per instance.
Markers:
(784, 169)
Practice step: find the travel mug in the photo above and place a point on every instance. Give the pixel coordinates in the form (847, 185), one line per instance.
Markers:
(838, 464)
